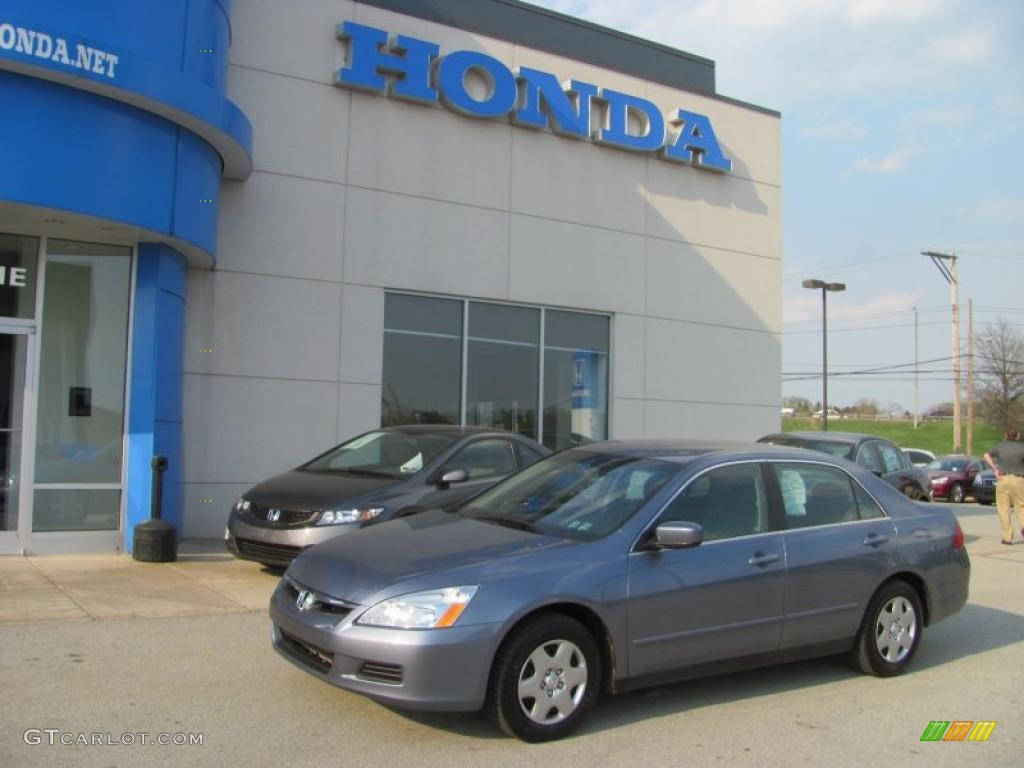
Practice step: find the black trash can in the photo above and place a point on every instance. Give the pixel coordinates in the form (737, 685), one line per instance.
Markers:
(156, 540)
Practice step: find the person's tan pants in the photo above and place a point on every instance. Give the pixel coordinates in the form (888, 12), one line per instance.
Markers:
(1010, 493)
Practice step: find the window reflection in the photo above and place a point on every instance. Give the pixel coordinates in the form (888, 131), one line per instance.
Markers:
(575, 379)
(422, 361)
(424, 344)
(502, 366)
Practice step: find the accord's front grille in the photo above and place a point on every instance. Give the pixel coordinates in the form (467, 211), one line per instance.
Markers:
(306, 653)
(276, 517)
(320, 601)
(376, 672)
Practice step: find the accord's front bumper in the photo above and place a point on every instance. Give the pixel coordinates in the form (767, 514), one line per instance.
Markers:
(431, 669)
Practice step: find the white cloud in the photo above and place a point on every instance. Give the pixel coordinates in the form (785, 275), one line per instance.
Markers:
(865, 12)
(1008, 209)
(970, 45)
(807, 306)
(894, 162)
(840, 130)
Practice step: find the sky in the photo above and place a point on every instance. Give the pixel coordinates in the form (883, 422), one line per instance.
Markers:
(902, 131)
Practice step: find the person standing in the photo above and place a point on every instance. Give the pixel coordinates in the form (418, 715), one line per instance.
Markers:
(1007, 461)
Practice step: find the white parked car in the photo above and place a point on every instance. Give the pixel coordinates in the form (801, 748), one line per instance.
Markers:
(788, 411)
(832, 414)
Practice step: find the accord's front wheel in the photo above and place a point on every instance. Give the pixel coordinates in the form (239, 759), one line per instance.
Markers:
(546, 677)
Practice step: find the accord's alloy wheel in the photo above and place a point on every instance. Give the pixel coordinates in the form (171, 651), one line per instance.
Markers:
(891, 630)
(552, 682)
(545, 678)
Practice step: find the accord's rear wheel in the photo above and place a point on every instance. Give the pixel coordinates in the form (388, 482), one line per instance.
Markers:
(890, 632)
(545, 678)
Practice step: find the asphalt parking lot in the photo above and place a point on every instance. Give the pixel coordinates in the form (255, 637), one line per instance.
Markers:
(110, 647)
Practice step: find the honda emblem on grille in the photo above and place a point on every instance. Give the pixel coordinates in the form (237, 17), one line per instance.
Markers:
(305, 600)
(273, 515)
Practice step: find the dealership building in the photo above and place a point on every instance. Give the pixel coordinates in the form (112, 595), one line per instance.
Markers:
(236, 233)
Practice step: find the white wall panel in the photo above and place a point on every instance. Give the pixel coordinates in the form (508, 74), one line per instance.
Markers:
(278, 225)
(398, 241)
(571, 265)
(241, 429)
(300, 128)
(255, 325)
(688, 282)
(707, 363)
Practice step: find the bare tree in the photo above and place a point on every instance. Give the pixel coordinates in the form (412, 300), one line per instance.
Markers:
(1000, 373)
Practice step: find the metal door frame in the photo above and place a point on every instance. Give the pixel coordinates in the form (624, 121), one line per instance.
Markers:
(17, 542)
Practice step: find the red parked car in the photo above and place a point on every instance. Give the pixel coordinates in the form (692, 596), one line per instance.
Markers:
(953, 476)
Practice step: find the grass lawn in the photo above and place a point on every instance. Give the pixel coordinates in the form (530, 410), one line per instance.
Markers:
(935, 436)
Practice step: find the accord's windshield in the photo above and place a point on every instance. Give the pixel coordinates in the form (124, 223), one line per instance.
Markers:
(383, 453)
(575, 494)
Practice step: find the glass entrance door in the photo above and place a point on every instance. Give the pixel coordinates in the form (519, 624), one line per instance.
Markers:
(15, 354)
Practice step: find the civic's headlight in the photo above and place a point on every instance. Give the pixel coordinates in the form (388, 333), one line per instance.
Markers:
(432, 609)
(347, 516)
(940, 479)
(242, 505)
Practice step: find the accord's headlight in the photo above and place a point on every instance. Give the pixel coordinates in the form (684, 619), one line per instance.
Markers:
(432, 609)
(347, 516)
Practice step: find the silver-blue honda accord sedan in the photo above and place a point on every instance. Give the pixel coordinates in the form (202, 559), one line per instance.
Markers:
(619, 565)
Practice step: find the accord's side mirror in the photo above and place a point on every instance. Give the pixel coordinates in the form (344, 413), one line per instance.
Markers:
(678, 535)
(453, 476)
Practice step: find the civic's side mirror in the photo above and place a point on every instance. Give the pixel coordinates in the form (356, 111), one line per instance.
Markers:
(453, 476)
(678, 535)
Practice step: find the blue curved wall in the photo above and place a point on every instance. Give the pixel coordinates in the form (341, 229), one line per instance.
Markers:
(143, 141)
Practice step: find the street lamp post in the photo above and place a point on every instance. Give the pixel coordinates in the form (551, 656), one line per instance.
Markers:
(825, 288)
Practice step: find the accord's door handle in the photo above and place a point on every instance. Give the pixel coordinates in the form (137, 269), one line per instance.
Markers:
(762, 559)
(875, 540)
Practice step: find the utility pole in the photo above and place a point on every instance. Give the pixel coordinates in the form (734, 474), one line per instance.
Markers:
(950, 273)
(970, 377)
(915, 368)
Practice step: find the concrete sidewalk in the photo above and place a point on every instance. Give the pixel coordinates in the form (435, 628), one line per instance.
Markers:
(205, 580)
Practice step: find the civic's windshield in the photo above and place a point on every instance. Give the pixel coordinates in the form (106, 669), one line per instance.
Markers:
(839, 450)
(575, 494)
(949, 465)
(383, 453)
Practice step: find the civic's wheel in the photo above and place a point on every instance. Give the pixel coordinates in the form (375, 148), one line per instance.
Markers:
(890, 632)
(956, 493)
(546, 677)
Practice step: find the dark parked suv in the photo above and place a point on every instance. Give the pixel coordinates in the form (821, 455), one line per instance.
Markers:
(876, 454)
(386, 473)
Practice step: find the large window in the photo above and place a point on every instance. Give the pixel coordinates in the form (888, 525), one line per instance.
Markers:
(539, 372)
(83, 359)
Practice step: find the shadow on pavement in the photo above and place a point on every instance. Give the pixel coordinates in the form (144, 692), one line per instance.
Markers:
(975, 629)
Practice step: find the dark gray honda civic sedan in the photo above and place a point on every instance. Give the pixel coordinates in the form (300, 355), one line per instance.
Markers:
(369, 479)
(619, 565)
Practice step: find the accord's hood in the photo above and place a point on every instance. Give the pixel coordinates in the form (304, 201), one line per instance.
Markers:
(359, 565)
(315, 490)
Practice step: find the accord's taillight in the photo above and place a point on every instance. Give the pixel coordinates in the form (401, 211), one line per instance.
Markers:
(958, 536)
